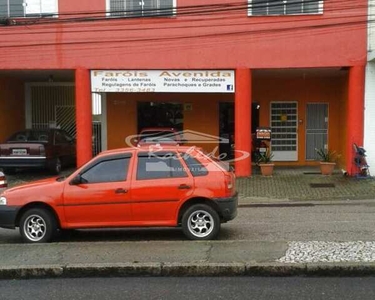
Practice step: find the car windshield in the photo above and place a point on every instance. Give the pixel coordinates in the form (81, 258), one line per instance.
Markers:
(158, 136)
(30, 136)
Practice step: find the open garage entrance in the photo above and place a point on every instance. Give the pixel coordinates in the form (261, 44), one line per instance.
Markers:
(226, 126)
(41, 99)
(26, 97)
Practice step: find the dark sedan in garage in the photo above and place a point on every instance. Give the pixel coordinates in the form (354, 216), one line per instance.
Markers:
(51, 149)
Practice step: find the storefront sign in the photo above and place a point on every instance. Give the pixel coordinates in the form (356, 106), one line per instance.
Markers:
(163, 81)
(263, 133)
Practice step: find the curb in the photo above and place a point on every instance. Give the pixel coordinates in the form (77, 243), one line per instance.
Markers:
(187, 270)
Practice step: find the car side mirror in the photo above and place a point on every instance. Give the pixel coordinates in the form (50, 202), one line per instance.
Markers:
(76, 180)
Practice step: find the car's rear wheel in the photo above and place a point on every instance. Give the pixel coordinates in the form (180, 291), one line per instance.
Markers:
(37, 226)
(55, 166)
(200, 222)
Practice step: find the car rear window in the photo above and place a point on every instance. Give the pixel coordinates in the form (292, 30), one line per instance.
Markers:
(159, 165)
(30, 136)
(195, 167)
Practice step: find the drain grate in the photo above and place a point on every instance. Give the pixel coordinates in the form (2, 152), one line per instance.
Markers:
(322, 185)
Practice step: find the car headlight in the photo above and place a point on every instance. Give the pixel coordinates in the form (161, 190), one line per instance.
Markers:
(3, 201)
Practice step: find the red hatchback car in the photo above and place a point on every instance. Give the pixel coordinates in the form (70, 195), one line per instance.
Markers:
(131, 187)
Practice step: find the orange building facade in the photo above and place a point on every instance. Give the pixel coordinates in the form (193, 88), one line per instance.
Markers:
(299, 72)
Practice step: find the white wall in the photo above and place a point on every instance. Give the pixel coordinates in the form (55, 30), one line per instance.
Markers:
(371, 29)
(369, 134)
(369, 141)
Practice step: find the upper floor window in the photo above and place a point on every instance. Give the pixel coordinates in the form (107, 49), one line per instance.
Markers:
(284, 7)
(141, 8)
(28, 8)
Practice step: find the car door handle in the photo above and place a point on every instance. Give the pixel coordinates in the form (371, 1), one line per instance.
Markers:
(121, 191)
(184, 187)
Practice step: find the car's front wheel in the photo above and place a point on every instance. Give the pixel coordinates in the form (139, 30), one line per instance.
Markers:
(201, 222)
(37, 226)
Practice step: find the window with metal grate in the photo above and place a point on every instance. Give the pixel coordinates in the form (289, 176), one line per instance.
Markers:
(28, 8)
(284, 7)
(142, 8)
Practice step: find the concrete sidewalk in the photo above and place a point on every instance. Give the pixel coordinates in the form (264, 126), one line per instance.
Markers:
(303, 184)
(162, 258)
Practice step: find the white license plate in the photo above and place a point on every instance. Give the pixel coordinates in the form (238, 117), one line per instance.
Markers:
(262, 150)
(19, 152)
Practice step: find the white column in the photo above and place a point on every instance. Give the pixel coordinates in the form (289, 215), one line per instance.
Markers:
(369, 128)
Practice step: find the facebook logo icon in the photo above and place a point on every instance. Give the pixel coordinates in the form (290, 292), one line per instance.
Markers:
(229, 87)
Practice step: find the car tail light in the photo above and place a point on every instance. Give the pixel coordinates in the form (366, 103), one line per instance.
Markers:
(3, 181)
(42, 151)
(229, 183)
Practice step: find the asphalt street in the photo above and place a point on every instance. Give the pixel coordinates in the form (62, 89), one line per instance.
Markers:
(322, 222)
(258, 288)
(258, 242)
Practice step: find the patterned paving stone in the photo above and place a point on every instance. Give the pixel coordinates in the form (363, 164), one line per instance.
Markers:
(318, 251)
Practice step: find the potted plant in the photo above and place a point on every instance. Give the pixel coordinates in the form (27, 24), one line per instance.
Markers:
(265, 163)
(327, 160)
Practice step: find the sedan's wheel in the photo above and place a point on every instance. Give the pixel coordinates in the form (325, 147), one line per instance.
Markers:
(201, 222)
(37, 226)
(55, 166)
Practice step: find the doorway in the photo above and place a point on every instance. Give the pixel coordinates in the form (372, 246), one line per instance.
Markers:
(226, 129)
(284, 126)
(226, 126)
(316, 129)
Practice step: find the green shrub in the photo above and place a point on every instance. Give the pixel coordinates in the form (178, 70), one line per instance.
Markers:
(265, 157)
(327, 155)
